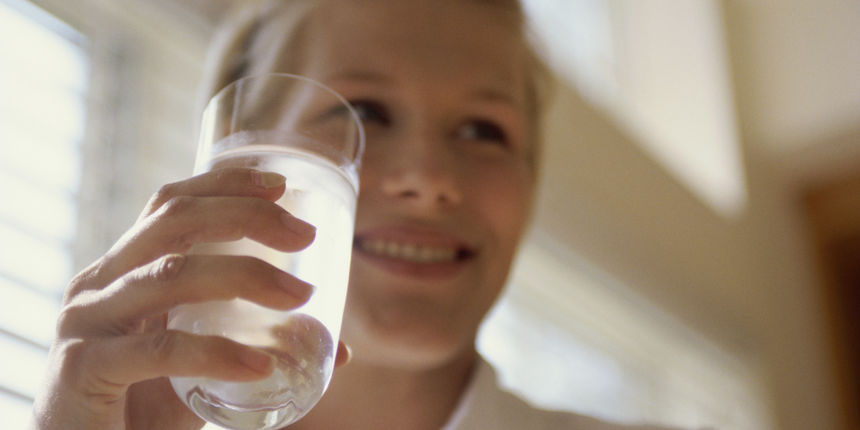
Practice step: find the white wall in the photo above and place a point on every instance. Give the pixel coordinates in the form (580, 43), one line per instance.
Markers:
(749, 282)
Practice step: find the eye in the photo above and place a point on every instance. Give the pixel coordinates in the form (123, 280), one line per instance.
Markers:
(371, 112)
(483, 131)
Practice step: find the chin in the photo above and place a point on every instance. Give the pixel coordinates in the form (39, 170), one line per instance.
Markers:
(413, 343)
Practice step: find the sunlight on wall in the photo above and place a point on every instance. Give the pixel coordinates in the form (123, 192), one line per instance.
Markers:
(578, 42)
(660, 68)
(567, 336)
(41, 127)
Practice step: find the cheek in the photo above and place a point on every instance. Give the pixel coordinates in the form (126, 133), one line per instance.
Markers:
(503, 197)
(370, 174)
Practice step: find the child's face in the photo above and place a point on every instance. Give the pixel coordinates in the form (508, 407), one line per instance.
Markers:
(446, 183)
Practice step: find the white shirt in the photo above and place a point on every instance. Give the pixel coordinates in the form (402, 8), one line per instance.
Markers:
(485, 406)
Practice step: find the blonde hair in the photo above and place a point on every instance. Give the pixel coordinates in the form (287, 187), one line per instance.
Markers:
(262, 36)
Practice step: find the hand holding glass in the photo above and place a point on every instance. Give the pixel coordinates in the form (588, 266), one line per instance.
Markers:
(309, 134)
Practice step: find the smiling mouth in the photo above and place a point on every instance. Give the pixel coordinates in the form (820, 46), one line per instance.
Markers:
(413, 252)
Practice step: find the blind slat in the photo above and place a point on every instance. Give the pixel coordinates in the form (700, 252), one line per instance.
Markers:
(28, 313)
(36, 209)
(15, 409)
(42, 112)
(44, 264)
(23, 366)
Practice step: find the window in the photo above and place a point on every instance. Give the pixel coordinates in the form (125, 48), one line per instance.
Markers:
(43, 82)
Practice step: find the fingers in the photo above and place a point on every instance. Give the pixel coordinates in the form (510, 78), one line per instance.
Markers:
(107, 364)
(155, 288)
(231, 181)
(186, 221)
(111, 330)
(221, 205)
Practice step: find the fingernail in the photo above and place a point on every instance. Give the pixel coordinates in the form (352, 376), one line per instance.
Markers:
(267, 179)
(256, 360)
(348, 354)
(297, 226)
(296, 288)
(343, 355)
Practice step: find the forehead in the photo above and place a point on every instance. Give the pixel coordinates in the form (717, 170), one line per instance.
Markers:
(445, 40)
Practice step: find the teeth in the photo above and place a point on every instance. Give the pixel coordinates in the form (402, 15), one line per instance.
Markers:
(409, 252)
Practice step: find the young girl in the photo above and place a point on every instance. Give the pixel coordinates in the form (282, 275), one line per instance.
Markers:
(448, 91)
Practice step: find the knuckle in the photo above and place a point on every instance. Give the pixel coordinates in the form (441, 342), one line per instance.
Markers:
(70, 318)
(178, 231)
(71, 358)
(164, 194)
(159, 198)
(82, 281)
(80, 364)
(164, 344)
(254, 264)
(177, 204)
(230, 174)
(223, 174)
(167, 267)
(264, 212)
(76, 285)
(229, 231)
(184, 241)
(71, 351)
(265, 206)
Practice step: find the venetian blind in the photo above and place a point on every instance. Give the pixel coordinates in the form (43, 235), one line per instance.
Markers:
(43, 80)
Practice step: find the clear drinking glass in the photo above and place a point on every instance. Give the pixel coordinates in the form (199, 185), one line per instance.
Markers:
(306, 132)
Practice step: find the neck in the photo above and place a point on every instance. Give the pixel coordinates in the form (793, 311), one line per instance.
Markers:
(368, 396)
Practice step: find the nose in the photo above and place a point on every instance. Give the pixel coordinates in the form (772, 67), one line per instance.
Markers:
(423, 177)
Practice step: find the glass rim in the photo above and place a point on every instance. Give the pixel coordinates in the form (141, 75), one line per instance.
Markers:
(359, 153)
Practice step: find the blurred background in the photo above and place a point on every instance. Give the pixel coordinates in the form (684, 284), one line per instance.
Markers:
(695, 259)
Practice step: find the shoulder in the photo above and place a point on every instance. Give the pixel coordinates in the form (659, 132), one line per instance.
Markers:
(486, 405)
(520, 414)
